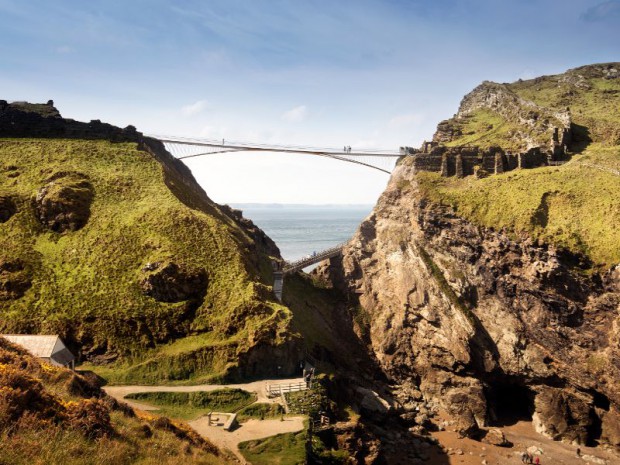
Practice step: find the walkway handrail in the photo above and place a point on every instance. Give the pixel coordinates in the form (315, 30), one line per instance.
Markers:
(279, 389)
(236, 145)
(291, 267)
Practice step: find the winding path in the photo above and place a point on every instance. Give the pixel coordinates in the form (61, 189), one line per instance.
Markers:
(247, 431)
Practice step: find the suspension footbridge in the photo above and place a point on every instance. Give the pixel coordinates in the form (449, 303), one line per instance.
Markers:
(381, 160)
(186, 147)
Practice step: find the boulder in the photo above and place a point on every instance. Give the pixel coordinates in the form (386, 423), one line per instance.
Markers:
(169, 282)
(562, 414)
(7, 208)
(14, 279)
(63, 204)
(373, 402)
(611, 428)
(496, 437)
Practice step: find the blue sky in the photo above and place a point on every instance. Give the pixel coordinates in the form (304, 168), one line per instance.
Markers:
(361, 73)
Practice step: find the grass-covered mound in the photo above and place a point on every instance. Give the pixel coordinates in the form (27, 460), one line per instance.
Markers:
(191, 405)
(575, 205)
(261, 411)
(51, 415)
(283, 449)
(127, 264)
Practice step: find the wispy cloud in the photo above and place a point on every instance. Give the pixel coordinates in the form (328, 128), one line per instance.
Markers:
(401, 121)
(296, 114)
(603, 12)
(64, 49)
(195, 108)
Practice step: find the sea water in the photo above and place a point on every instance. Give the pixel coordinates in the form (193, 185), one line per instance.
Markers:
(300, 230)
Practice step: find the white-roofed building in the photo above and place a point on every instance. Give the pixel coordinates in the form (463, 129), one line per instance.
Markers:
(49, 348)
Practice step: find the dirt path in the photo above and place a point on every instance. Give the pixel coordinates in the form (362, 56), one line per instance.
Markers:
(523, 436)
(249, 430)
(257, 387)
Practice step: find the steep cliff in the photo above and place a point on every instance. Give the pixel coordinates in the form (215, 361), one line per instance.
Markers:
(110, 242)
(499, 298)
(53, 415)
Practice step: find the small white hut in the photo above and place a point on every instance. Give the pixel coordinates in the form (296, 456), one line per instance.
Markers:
(49, 348)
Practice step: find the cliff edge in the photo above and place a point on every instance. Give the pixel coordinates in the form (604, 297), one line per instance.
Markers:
(498, 299)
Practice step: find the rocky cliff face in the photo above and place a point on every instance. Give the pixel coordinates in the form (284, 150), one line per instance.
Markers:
(485, 323)
(487, 326)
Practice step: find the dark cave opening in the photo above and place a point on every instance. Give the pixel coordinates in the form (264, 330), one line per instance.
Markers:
(508, 403)
(595, 429)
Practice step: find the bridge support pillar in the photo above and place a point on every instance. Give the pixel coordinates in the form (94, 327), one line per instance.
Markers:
(278, 284)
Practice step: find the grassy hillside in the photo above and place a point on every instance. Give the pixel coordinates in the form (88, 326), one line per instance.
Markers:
(575, 205)
(51, 415)
(142, 273)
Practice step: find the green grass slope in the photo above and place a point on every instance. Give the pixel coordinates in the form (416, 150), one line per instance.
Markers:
(51, 415)
(87, 284)
(576, 205)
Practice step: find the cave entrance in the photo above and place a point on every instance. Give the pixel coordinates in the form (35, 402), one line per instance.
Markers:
(595, 430)
(508, 403)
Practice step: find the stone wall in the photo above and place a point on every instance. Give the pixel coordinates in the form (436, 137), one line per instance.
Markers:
(469, 160)
(21, 119)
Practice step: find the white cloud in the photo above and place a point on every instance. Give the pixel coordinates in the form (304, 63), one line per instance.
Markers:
(64, 49)
(195, 108)
(409, 119)
(295, 115)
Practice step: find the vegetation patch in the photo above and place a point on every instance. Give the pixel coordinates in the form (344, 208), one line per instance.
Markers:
(311, 401)
(571, 206)
(445, 287)
(282, 449)
(51, 415)
(191, 405)
(261, 411)
(485, 128)
(86, 274)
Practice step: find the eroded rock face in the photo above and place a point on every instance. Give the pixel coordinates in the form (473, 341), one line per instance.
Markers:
(563, 414)
(14, 279)
(7, 208)
(169, 282)
(485, 325)
(63, 204)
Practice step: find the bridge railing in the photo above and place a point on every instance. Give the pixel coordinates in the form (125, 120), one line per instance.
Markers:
(291, 267)
(274, 390)
(244, 145)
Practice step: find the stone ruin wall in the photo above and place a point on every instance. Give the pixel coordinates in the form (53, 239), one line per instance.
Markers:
(20, 119)
(468, 160)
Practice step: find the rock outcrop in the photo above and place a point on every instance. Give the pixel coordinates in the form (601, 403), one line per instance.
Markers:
(488, 326)
(7, 208)
(15, 279)
(168, 282)
(63, 204)
(538, 124)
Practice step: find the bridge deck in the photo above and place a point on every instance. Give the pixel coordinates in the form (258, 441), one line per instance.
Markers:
(292, 267)
(298, 265)
(237, 146)
(184, 147)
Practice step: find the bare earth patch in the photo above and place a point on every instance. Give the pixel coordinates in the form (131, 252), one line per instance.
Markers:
(523, 436)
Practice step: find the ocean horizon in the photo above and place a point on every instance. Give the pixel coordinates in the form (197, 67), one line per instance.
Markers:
(301, 229)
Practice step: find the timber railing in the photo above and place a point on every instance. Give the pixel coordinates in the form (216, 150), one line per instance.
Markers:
(274, 390)
(291, 267)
